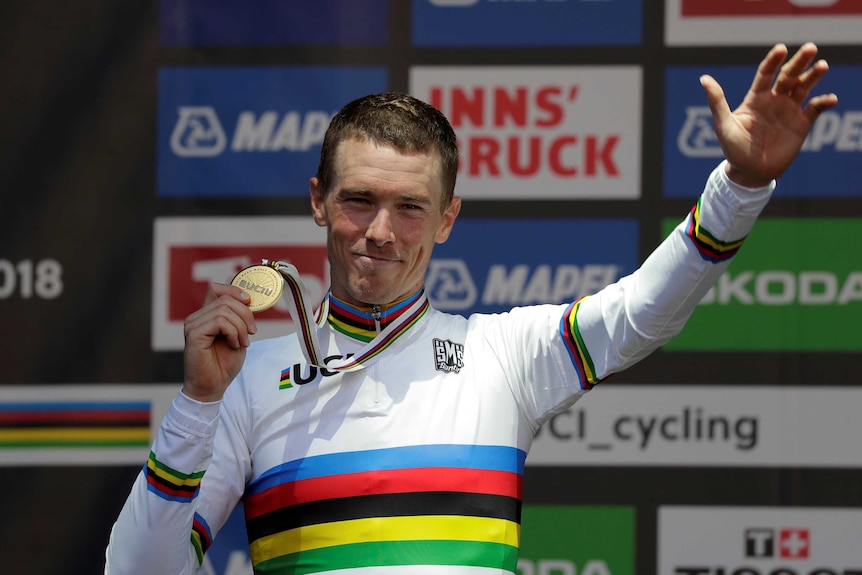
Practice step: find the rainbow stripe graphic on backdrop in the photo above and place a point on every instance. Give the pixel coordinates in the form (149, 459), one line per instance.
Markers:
(74, 424)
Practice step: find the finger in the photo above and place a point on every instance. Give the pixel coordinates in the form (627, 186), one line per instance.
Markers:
(790, 72)
(222, 294)
(715, 99)
(221, 318)
(217, 290)
(809, 79)
(767, 69)
(818, 104)
(226, 305)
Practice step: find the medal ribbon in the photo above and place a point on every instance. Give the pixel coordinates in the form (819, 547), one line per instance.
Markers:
(296, 297)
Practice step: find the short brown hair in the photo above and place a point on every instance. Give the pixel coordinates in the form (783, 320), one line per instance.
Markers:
(401, 121)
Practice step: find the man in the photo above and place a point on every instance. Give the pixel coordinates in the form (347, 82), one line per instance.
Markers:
(399, 445)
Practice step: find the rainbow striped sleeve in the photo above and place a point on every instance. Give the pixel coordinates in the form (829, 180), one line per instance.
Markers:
(453, 505)
(170, 484)
(202, 537)
(575, 345)
(710, 248)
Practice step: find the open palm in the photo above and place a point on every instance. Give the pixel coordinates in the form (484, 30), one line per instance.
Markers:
(762, 136)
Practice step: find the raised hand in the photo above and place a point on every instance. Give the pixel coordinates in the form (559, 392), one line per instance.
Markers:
(762, 136)
(216, 337)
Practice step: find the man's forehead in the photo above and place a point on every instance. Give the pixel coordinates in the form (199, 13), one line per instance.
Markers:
(355, 153)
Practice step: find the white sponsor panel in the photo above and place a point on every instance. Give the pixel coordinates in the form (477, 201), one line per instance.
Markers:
(705, 426)
(191, 253)
(744, 29)
(541, 132)
(759, 541)
(158, 396)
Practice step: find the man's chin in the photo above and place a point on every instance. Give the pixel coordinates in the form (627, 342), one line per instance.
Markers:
(376, 293)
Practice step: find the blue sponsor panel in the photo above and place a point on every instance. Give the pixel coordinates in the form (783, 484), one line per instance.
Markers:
(527, 23)
(495, 265)
(273, 22)
(232, 132)
(827, 166)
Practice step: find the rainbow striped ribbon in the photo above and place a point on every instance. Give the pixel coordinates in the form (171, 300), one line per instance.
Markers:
(307, 323)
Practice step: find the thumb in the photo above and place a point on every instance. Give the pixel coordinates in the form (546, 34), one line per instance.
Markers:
(715, 99)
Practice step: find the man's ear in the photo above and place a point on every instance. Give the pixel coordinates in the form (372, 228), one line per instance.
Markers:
(318, 207)
(449, 217)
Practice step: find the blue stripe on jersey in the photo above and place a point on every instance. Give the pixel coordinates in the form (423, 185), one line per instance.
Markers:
(491, 457)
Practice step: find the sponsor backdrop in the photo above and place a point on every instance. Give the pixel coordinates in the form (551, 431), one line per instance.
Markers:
(151, 148)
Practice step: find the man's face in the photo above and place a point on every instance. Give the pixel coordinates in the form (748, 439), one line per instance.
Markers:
(383, 215)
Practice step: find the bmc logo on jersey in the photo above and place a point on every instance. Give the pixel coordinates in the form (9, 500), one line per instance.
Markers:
(487, 266)
(249, 131)
(832, 150)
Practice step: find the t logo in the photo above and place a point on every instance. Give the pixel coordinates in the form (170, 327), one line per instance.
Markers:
(790, 543)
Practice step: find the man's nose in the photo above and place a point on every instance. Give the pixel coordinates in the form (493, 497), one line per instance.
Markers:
(380, 230)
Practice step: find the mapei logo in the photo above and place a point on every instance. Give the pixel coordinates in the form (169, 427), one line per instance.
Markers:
(451, 287)
(198, 132)
(448, 355)
(840, 131)
(697, 137)
(782, 543)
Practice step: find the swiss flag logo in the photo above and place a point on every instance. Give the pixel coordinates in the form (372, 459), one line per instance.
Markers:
(794, 543)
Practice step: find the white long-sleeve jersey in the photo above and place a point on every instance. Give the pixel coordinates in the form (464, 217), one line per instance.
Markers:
(414, 463)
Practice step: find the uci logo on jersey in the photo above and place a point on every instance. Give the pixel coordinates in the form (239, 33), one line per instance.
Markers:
(198, 133)
(297, 375)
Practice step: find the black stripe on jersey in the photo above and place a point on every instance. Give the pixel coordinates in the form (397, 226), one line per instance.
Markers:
(384, 505)
(170, 485)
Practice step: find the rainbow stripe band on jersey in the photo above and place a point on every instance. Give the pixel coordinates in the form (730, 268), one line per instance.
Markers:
(709, 247)
(170, 484)
(454, 505)
(576, 347)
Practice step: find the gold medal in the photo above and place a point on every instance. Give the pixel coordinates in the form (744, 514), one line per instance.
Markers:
(263, 283)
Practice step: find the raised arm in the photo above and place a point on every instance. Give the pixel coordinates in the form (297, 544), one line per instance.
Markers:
(628, 320)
